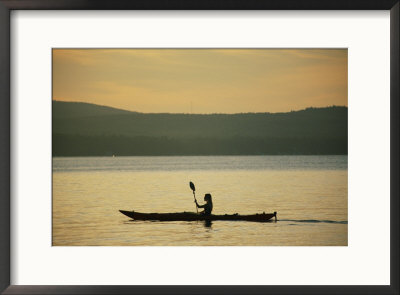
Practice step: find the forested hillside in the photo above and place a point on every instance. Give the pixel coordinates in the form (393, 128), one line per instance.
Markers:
(81, 129)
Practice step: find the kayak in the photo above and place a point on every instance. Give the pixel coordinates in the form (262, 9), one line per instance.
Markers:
(189, 216)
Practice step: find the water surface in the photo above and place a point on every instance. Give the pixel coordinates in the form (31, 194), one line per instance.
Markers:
(308, 192)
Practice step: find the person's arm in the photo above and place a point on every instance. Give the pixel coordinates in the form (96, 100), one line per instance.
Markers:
(199, 206)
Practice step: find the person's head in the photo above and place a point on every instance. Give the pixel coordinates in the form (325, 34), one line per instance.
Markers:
(207, 197)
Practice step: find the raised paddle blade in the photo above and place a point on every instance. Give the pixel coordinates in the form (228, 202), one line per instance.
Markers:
(192, 186)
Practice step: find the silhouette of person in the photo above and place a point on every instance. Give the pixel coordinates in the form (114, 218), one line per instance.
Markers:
(208, 206)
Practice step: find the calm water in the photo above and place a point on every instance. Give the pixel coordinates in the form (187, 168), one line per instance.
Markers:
(308, 192)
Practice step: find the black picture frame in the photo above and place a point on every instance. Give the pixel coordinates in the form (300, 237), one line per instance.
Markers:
(6, 6)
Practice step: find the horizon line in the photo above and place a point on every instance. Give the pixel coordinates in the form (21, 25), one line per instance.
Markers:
(137, 112)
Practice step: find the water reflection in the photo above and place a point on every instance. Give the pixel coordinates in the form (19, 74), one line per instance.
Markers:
(207, 223)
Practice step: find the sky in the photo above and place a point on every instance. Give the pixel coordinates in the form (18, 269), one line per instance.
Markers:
(202, 80)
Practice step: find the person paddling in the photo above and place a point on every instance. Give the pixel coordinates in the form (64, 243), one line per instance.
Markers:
(208, 206)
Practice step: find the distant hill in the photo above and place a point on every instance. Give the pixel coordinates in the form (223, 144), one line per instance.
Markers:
(81, 129)
(63, 110)
(69, 110)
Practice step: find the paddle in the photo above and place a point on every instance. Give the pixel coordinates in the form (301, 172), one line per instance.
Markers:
(194, 194)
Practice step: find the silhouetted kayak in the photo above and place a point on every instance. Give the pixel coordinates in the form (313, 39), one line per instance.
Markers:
(189, 216)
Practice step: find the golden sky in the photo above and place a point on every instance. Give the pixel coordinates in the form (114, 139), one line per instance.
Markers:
(202, 80)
